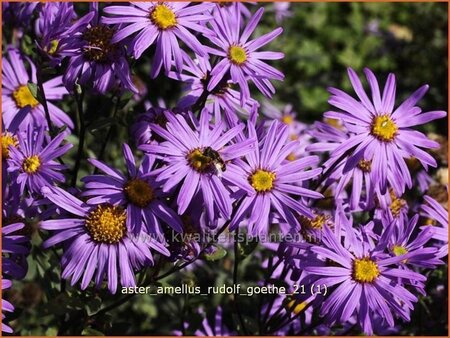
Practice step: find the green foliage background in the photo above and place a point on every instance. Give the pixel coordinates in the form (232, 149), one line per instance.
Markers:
(320, 40)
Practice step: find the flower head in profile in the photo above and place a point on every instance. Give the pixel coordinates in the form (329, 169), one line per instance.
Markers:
(164, 23)
(197, 158)
(270, 181)
(19, 103)
(95, 60)
(55, 19)
(33, 163)
(137, 192)
(382, 134)
(405, 238)
(437, 216)
(97, 244)
(240, 59)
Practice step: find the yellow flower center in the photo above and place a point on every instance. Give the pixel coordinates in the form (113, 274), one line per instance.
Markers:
(365, 166)
(397, 204)
(203, 160)
(23, 97)
(430, 221)
(106, 224)
(296, 309)
(399, 250)
(333, 122)
(288, 119)
(198, 161)
(53, 47)
(163, 17)
(99, 48)
(31, 164)
(237, 55)
(384, 128)
(316, 223)
(8, 139)
(262, 180)
(291, 157)
(365, 270)
(139, 192)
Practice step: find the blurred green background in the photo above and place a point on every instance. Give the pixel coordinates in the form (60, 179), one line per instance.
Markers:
(321, 40)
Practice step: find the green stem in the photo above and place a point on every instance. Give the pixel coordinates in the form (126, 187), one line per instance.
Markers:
(81, 137)
(108, 135)
(44, 103)
(235, 281)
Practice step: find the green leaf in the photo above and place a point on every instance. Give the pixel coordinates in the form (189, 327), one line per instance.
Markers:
(101, 124)
(89, 331)
(218, 253)
(51, 331)
(78, 89)
(247, 247)
(127, 96)
(33, 88)
(93, 305)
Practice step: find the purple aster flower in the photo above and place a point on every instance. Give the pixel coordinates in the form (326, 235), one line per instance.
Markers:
(436, 213)
(97, 242)
(18, 209)
(297, 130)
(361, 195)
(19, 14)
(288, 309)
(163, 22)
(270, 181)
(55, 18)
(329, 138)
(199, 157)
(364, 281)
(217, 328)
(8, 140)
(232, 8)
(404, 239)
(391, 208)
(13, 245)
(286, 115)
(6, 306)
(137, 192)
(282, 11)
(241, 60)
(382, 134)
(213, 328)
(196, 74)
(141, 129)
(95, 60)
(33, 163)
(17, 100)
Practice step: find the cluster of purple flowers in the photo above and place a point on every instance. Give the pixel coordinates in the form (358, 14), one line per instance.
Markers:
(218, 160)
